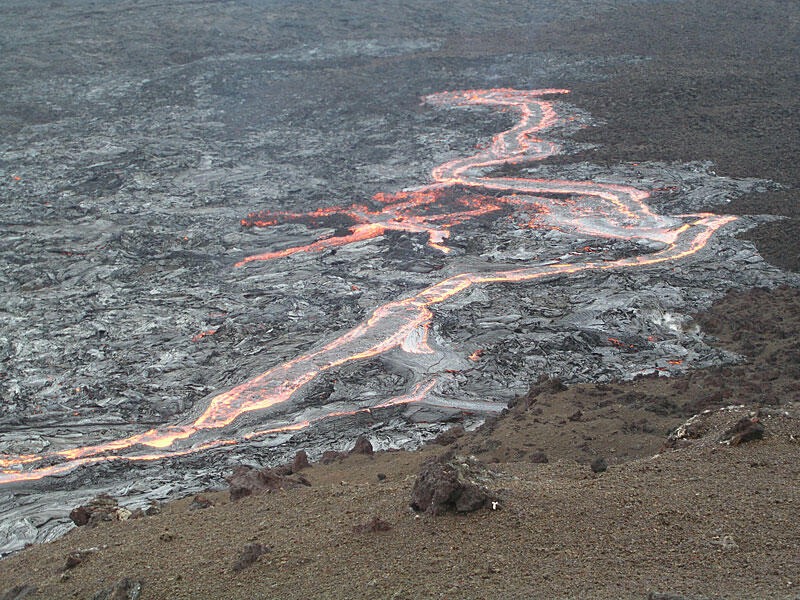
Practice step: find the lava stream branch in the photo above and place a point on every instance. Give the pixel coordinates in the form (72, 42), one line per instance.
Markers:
(604, 210)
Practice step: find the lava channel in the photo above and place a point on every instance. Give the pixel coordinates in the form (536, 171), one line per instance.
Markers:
(584, 208)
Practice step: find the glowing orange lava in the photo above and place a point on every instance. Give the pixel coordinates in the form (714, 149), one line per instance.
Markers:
(203, 334)
(582, 207)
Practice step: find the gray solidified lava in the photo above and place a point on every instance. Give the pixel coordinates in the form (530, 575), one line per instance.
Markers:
(134, 142)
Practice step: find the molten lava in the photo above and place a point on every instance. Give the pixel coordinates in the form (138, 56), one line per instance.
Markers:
(581, 207)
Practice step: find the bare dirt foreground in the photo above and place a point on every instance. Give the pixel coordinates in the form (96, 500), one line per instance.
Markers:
(702, 520)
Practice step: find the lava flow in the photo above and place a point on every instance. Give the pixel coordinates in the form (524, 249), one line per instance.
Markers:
(461, 190)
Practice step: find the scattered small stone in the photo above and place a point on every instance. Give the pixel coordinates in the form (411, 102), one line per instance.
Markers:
(448, 483)
(381, 476)
(655, 596)
(539, 457)
(599, 465)
(166, 537)
(300, 461)
(372, 526)
(249, 555)
(124, 589)
(101, 508)
(200, 502)
(746, 430)
(363, 446)
(576, 416)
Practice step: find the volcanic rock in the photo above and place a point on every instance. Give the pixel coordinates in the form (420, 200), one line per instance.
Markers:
(77, 557)
(300, 461)
(599, 465)
(363, 446)
(124, 589)
(283, 470)
(451, 483)
(693, 429)
(731, 425)
(539, 457)
(374, 525)
(745, 430)
(246, 481)
(153, 509)
(451, 435)
(101, 508)
(199, 502)
(249, 555)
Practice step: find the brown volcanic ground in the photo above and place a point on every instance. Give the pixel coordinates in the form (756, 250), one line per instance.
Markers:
(704, 521)
(721, 86)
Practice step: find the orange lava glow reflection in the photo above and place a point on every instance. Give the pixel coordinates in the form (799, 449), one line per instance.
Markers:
(581, 207)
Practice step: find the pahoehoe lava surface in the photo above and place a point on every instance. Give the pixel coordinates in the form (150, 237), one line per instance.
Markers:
(125, 175)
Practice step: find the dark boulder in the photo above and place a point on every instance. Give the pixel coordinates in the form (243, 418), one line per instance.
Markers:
(300, 461)
(746, 430)
(246, 481)
(101, 508)
(363, 446)
(77, 557)
(200, 502)
(283, 470)
(451, 483)
(599, 465)
(539, 457)
(153, 509)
